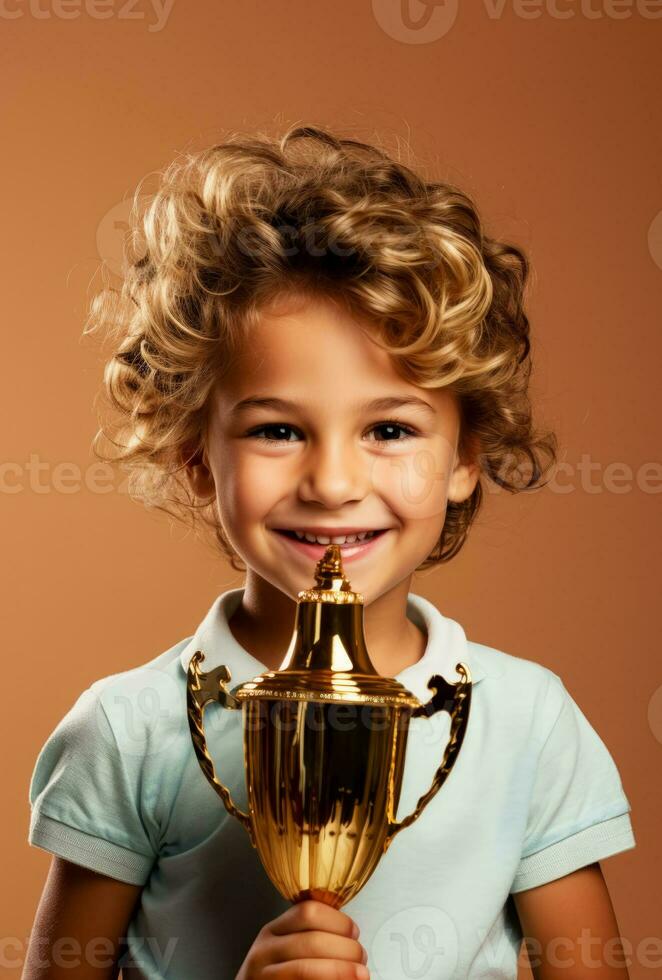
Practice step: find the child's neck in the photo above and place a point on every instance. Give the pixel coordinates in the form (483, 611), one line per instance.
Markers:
(262, 624)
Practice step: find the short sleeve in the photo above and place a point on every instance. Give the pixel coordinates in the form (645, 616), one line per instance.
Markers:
(84, 797)
(578, 811)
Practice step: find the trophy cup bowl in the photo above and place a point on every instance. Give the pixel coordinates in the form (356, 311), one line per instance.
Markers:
(324, 741)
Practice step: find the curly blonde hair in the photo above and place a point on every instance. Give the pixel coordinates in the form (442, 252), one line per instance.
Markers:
(234, 226)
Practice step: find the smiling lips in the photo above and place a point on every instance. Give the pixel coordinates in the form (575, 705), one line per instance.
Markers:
(336, 537)
(325, 534)
(352, 546)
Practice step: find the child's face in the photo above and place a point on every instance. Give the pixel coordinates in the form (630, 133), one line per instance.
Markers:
(327, 459)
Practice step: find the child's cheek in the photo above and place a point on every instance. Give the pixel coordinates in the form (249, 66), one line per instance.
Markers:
(413, 484)
(256, 484)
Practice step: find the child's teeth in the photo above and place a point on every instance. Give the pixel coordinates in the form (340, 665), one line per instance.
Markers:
(338, 539)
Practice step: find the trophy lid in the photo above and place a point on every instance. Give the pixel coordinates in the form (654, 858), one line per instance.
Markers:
(327, 659)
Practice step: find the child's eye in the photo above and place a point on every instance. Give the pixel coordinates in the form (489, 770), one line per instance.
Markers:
(393, 426)
(282, 429)
(272, 427)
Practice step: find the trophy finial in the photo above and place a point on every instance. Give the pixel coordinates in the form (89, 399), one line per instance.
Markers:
(329, 571)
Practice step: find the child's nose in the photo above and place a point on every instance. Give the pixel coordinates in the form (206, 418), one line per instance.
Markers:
(336, 475)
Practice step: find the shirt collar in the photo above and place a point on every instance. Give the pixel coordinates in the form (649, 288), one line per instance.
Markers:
(447, 645)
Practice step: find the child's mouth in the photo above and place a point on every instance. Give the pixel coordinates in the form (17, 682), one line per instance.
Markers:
(348, 551)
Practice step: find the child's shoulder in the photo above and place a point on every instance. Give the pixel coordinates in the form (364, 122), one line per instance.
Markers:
(140, 710)
(161, 670)
(498, 664)
(525, 701)
(496, 673)
(513, 678)
(110, 768)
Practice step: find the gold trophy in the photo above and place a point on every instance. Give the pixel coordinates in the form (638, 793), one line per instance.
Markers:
(323, 792)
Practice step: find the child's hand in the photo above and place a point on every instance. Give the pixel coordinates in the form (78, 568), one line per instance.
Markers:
(312, 941)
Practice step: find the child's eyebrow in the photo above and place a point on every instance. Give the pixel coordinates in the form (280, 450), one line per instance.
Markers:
(385, 404)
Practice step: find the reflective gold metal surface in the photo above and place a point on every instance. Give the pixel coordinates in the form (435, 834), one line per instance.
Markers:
(324, 745)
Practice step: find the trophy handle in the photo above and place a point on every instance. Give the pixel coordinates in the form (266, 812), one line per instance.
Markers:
(456, 699)
(201, 689)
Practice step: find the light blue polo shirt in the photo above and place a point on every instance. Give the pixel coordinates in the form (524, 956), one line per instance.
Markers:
(534, 795)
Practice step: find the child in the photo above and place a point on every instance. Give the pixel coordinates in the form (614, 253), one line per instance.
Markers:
(314, 342)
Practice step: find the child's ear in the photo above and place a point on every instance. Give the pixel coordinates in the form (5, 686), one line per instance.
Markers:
(466, 471)
(197, 472)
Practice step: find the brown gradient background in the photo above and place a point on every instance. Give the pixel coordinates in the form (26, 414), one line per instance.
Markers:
(552, 126)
